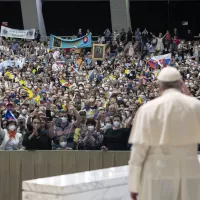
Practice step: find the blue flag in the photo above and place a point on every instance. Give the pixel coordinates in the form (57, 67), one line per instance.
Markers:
(91, 76)
(9, 115)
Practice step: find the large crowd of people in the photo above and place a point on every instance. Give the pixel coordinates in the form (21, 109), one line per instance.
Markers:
(50, 101)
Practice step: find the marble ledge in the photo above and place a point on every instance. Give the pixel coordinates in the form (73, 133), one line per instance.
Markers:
(85, 183)
(112, 193)
(79, 182)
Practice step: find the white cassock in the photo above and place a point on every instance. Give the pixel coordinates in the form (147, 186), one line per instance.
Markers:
(164, 163)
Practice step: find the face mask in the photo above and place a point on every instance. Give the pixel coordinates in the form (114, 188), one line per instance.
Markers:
(116, 124)
(11, 127)
(128, 113)
(24, 111)
(12, 95)
(64, 119)
(108, 125)
(52, 114)
(90, 128)
(82, 94)
(92, 100)
(63, 144)
(119, 98)
(125, 100)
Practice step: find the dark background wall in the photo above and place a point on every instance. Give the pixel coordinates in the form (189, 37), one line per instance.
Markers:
(65, 18)
(153, 15)
(11, 12)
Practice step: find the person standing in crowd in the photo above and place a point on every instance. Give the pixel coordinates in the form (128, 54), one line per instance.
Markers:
(101, 39)
(189, 36)
(65, 126)
(90, 140)
(175, 33)
(116, 138)
(144, 38)
(37, 36)
(163, 162)
(107, 35)
(138, 35)
(12, 140)
(37, 137)
(129, 35)
(88, 32)
(115, 35)
(160, 45)
(80, 33)
(123, 36)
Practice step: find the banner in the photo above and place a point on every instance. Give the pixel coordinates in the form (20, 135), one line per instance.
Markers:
(15, 33)
(162, 60)
(82, 42)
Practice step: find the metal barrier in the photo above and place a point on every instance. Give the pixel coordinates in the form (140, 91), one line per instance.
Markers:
(16, 166)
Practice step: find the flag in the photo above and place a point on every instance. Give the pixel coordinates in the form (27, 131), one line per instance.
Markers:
(22, 82)
(75, 66)
(64, 107)
(34, 70)
(112, 77)
(60, 62)
(9, 115)
(105, 104)
(62, 81)
(162, 60)
(140, 100)
(75, 69)
(91, 76)
(9, 75)
(37, 99)
(126, 72)
(30, 93)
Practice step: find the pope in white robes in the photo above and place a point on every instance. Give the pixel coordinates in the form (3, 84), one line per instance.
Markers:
(163, 163)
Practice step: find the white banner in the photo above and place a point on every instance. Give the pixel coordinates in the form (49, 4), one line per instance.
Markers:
(15, 33)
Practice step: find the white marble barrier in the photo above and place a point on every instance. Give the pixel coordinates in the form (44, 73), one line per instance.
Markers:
(104, 184)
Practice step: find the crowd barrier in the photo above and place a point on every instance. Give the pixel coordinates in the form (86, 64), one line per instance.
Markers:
(17, 166)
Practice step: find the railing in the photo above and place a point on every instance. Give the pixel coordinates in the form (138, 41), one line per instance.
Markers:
(16, 166)
(94, 38)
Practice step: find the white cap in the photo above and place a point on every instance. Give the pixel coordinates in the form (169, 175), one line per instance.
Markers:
(169, 74)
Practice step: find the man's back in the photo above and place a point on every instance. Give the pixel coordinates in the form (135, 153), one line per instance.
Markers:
(170, 119)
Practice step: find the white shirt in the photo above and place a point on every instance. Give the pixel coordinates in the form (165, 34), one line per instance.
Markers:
(10, 145)
(57, 68)
(56, 55)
